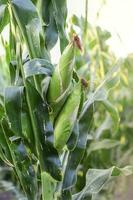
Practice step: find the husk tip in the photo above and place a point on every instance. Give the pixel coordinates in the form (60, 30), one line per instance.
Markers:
(77, 42)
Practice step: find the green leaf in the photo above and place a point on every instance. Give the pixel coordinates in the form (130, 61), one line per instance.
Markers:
(96, 179)
(72, 141)
(21, 162)
(75, 20)
(51, 32)
(5, 153)
(60, 14)
(66, 195)
(48, 186)
(27, 126)
(30, 26)
(38, 66)
(27, 11)
(44, 131)
(13, 106)
(12, 69)
(3, 2)
(76, 155)
(101, 93)
(106, 125)
(4, 15)
(2, 110)
(102, 144)
(113, 112)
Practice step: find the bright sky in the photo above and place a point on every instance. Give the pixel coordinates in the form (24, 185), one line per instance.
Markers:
(116, 16)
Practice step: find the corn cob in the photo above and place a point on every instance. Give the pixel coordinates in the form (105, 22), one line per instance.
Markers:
(67, 118)
(60, 84)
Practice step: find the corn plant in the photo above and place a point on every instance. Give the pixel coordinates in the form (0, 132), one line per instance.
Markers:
(47, 110)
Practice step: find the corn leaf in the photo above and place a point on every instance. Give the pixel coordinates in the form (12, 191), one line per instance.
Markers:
(5, 153)
(50, 27)
(13, 106)
(48, 186)
(113, 113)
(72, 141)
(101, 93)
(96, 179)
(21, 161)
(38, 66)
(30, 26)
(102, 144)
(76, 155)
(60, 14)
(4, 15)
(44, 131)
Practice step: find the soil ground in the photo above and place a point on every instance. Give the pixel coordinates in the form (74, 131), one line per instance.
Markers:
(124, 190)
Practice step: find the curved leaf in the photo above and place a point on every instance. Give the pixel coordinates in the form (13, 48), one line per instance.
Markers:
(38, 66)
(51, 32)
(76, 155)
(102, 144)
(48, 186)
(113, 113)
(60, 14)
(72, 141)
(26, 11)
(13, 106)
(12, 69)
(26, 125)
(101, 93)
(44, 131)
(30, 26)
(106, 125)
(5, 153)
(4, 15)
(97, 178)
(21, 162)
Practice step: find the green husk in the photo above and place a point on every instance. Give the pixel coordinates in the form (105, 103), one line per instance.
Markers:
(67, 118)
(60, 83)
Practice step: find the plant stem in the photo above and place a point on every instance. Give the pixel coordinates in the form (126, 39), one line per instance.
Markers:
(86, 17)
(38, 149)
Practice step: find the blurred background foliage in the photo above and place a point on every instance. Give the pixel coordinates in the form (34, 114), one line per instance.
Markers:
(107, 146)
